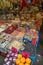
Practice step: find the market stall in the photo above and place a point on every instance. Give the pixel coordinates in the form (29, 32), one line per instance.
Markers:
(19, 31)
(18, 39)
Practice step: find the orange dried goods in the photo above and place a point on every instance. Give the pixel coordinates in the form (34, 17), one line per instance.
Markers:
(27, 64)
(28, 60)
(21, 64)
(19, 56)
(22, 60)
(17, 61)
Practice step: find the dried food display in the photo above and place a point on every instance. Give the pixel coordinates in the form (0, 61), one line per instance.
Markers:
(20, 22)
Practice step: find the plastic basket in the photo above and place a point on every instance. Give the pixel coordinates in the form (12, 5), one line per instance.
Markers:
(37, 42)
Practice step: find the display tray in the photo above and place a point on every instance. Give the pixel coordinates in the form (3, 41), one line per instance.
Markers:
(11, 58)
